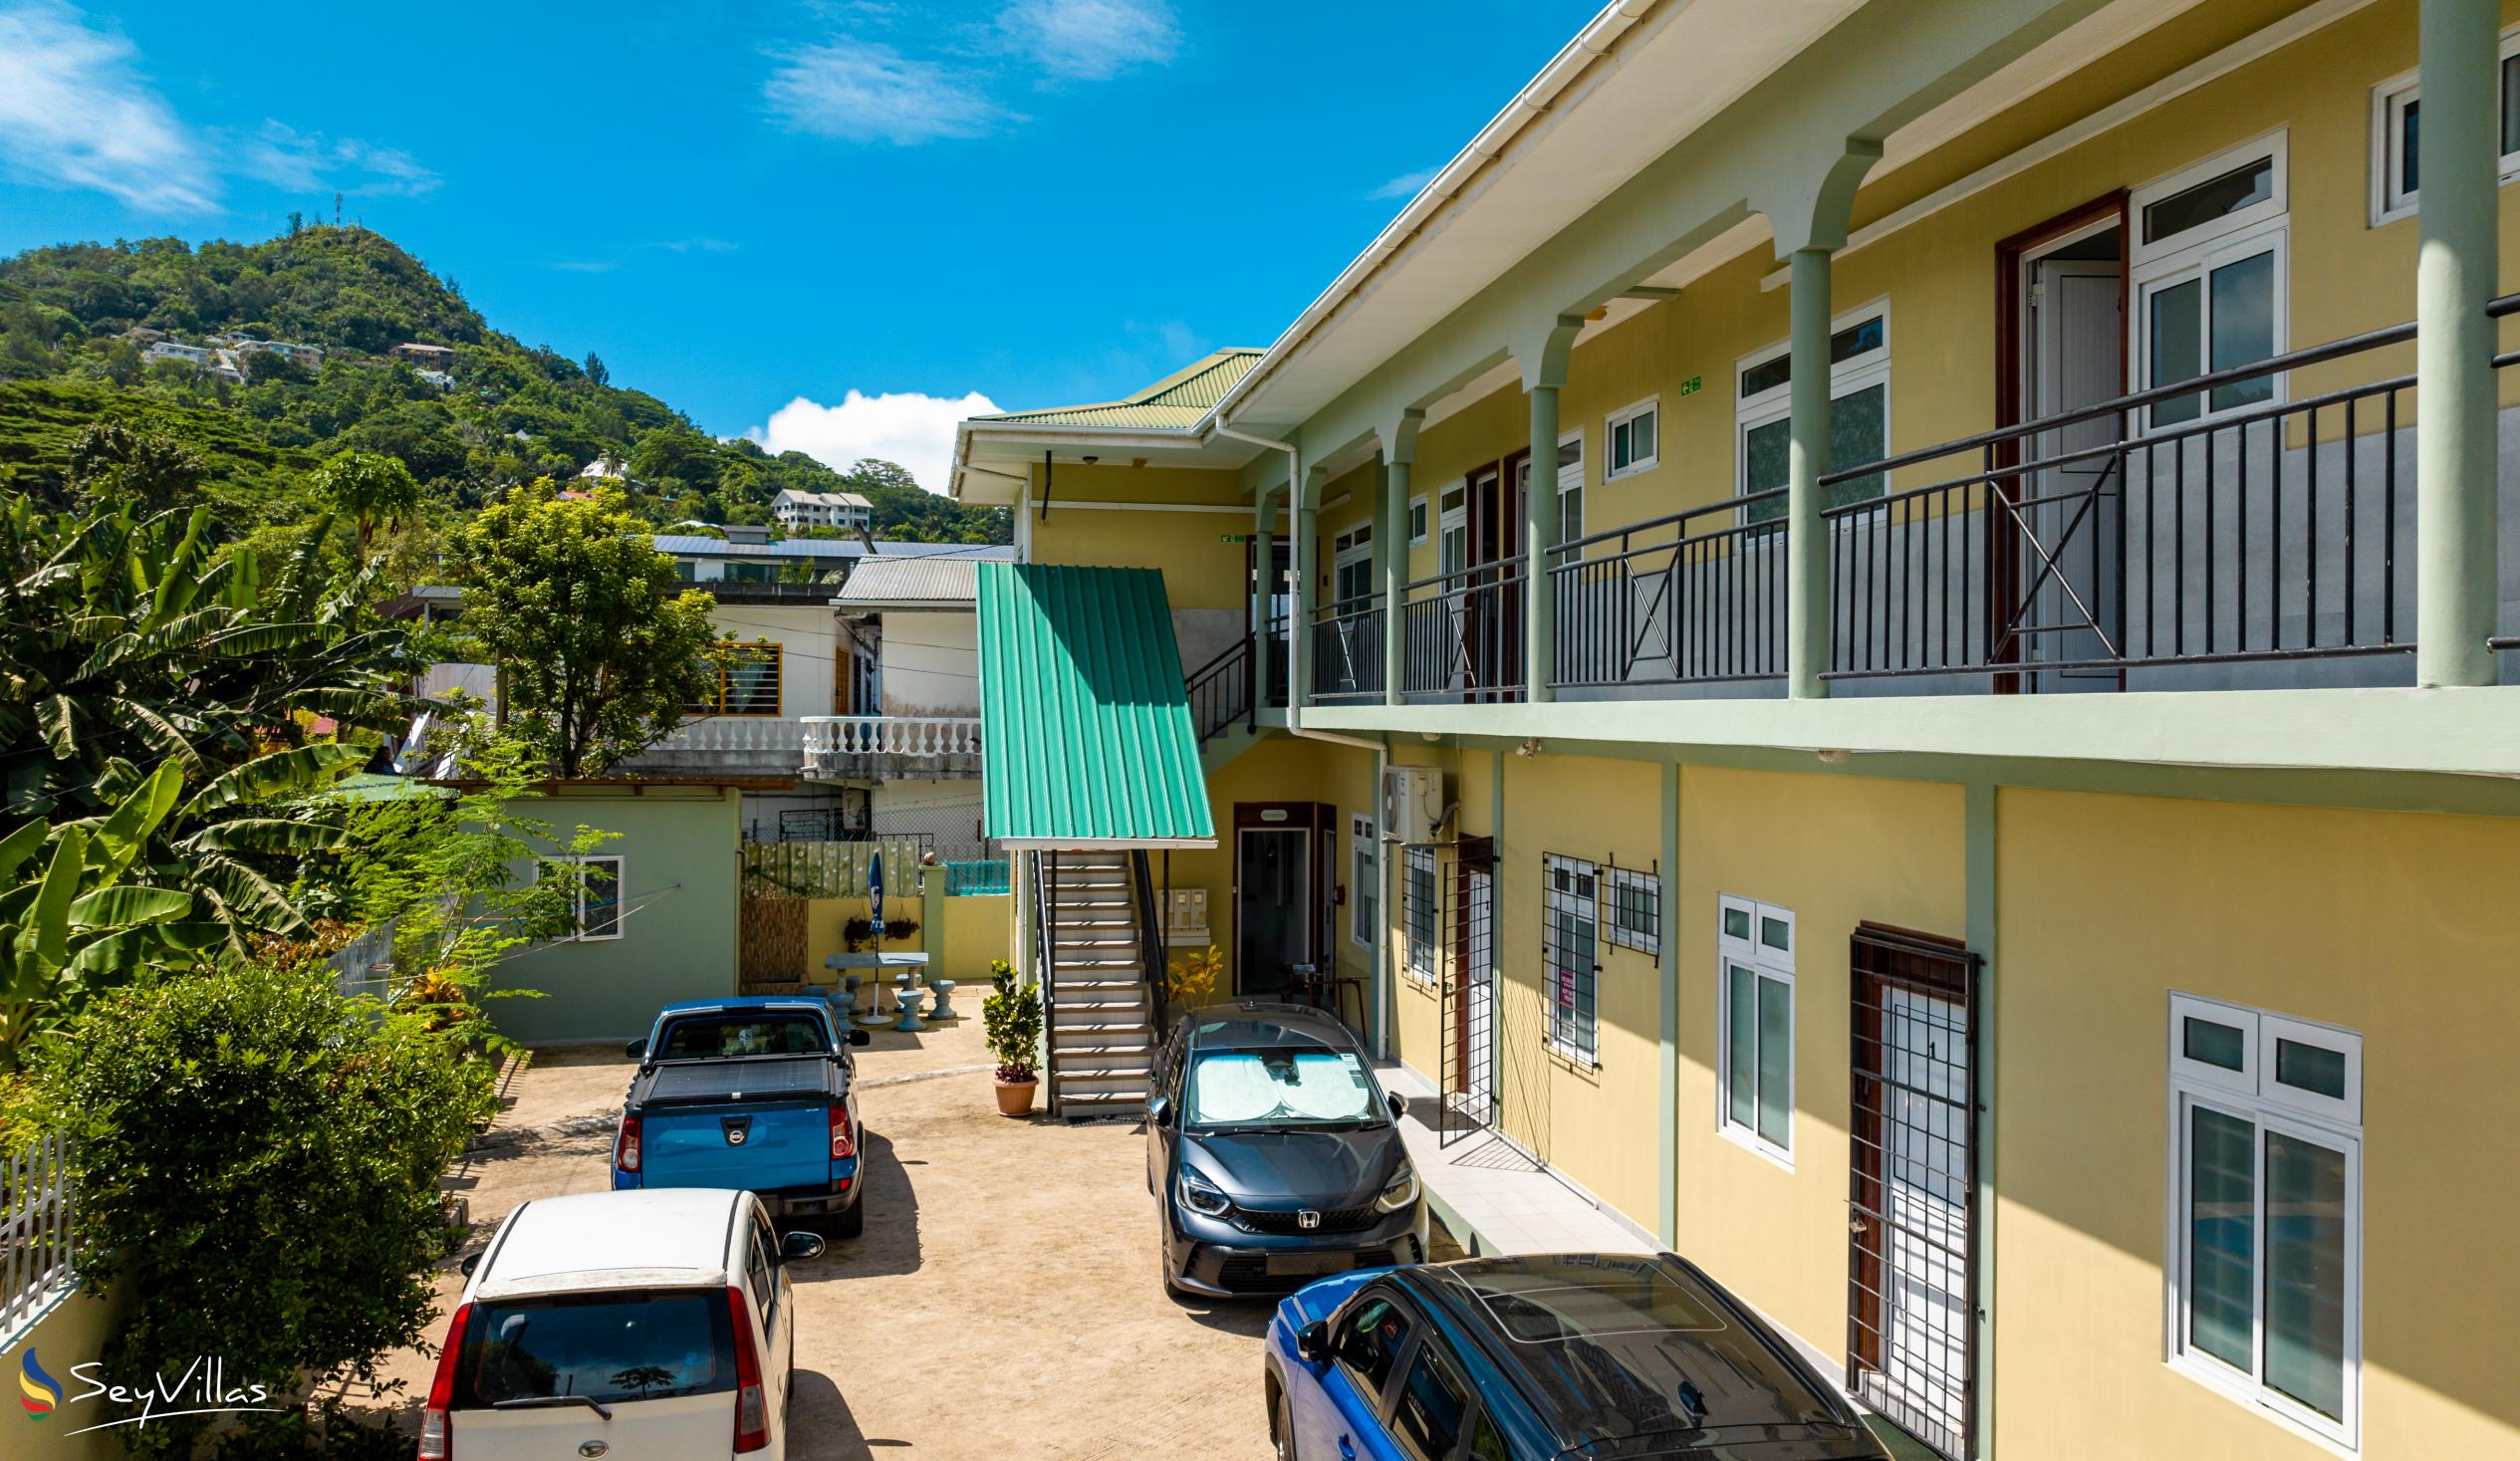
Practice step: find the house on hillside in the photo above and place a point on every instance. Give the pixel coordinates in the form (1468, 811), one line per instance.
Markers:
(1842, 628)
(847, 511)
(425, 357)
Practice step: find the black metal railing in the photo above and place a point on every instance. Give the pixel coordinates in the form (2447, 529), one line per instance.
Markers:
(1150, 951)
(1220, 691)
(1046, 929)
(2208, 521)
(1347, 649)
(1692, 597)
(1275, 651)
(1461, 634)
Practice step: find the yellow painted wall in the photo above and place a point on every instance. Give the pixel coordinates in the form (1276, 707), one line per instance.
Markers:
(1200, 570)
(1418, 1029)
(2397, 925)
(1281, 768)
(1836, 850)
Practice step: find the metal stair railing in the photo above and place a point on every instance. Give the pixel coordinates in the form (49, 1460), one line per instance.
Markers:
(1151, 945)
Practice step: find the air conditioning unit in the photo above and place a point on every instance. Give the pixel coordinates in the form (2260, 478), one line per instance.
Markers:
(1412, 802)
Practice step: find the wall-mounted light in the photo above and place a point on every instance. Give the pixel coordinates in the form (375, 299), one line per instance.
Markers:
(1834, 756)
(1529, 748)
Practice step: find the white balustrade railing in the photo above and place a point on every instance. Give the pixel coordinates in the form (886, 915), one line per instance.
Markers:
(915, 736)
(737, 733)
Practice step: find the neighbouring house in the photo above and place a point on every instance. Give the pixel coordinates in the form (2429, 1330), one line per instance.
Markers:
(605, 465)
(309, 356)
(207, 360)
(910, 734)
(1842, 627)
(847, 511)
(425, 357)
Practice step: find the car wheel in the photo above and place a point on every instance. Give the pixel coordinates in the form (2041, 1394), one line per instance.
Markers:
(1283, 1426)
(1163, 1266)
(850, 1221)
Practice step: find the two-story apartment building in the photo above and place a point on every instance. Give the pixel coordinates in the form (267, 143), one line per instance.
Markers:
(1972, 791)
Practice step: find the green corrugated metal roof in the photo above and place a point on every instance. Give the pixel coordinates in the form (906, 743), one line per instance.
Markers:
(1083, 711)
(1177, 401)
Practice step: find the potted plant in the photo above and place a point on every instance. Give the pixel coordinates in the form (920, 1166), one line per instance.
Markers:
(1011, 1018)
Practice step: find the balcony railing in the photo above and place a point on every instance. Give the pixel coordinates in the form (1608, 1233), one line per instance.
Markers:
(1347, 649)
(1691, 598)
(734, 733)
(1461, 634)
(2202, 523)
(910, 745)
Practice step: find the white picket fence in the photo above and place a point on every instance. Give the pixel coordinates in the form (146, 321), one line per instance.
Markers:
(36, 1197)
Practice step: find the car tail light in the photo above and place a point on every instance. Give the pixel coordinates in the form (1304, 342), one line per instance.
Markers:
(626, 1147)
(844, 1137)
(437, 1441)
(752, 1407)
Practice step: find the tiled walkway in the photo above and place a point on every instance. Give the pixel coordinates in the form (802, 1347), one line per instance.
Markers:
(1493, 1197)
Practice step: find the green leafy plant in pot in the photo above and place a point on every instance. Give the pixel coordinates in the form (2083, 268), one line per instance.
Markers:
(1011, 1019)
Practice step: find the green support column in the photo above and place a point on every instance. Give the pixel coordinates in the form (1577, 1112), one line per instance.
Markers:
(1806, 533)
(1667, 970)
(1299, 659)
(1394, 546)
(2455, 274)
(1540, 534)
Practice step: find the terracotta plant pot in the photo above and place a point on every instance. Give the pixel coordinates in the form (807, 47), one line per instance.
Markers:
(1015, 1097)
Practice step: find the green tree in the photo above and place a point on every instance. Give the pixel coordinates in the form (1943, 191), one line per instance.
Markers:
(597, 652)
(113, 465)
(258, 1163)
(369, 489)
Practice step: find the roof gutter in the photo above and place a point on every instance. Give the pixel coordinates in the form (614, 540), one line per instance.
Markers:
(1528, 105)
(1294, 491)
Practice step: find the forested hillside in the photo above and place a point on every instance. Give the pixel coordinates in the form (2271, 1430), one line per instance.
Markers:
(75, 323)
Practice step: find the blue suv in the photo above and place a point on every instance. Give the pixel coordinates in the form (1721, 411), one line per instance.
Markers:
(1625, 1356)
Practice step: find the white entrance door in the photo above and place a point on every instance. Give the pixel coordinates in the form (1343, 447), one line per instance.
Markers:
(2077, 347)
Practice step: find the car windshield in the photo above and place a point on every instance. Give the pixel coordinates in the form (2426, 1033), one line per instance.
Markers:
(706, 1036)
(607, 1347)
(1276, 1086)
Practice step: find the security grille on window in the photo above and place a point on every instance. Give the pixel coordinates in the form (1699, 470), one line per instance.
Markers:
(1754, 1026)
(747, 681)
(1418, 895)
(1364, 880)
(1635, 900)
(1859, 412)
(2266, 1211)
(1571, 952)
(2209, 273)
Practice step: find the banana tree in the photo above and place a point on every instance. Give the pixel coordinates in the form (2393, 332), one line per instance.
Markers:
(70, 924)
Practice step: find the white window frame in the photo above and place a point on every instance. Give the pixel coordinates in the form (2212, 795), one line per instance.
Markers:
(1768, 964)
(1651, 405)
(1348, 549)
(1421, 959)
(1616, 931)
(2389, 202)
(1449, 518)
(1364, 871)
(2254, 1096)
(1418, 519)
(1776, 403)
(2196, 253)
(1550, 902)
(578, 897)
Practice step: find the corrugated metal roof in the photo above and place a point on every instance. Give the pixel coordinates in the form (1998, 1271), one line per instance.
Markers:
(692, 545)
(1083, 711)
(1177, 401)
(924, 579)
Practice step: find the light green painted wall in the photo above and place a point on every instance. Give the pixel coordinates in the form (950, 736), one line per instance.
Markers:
(680, 892)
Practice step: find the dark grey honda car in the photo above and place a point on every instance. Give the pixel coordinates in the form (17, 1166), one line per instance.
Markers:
(1274, 1154)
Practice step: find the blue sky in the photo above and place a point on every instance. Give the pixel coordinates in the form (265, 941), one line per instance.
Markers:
(755, 210)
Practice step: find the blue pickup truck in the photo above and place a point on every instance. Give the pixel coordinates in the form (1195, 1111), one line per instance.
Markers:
(755, 1093)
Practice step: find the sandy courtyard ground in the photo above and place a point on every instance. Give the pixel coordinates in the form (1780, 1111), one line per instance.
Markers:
(1003, 1303)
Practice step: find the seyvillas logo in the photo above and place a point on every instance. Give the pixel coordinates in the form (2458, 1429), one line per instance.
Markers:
(39, 1392)
(200, 1389)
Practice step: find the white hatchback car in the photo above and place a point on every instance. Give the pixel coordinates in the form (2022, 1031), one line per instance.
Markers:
(624, 1325)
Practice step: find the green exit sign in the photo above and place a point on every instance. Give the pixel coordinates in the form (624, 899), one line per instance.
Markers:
(1233, 537)
(1692, 386)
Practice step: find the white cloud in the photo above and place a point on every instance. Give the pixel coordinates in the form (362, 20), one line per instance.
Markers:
(285, 158)
(906, 427)
(1091, 40)
(1405, 186)
(75, 111)
(860, 92)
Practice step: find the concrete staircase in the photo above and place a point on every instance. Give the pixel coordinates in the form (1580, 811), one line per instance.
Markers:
(1103, 1033)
